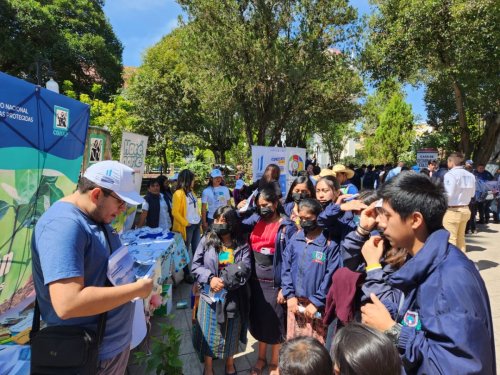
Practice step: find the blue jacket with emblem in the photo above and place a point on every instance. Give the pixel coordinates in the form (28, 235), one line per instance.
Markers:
(308, 268)
(338, 223)
(445, 289)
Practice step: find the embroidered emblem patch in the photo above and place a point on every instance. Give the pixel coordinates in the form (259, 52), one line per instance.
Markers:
(411, 319)
(318, 257)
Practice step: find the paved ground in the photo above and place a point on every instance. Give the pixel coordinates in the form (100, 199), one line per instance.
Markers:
(483, 248)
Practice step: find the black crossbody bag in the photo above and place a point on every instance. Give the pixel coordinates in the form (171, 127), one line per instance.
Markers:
(68, 350)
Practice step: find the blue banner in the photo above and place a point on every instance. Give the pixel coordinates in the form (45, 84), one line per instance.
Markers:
(42, 140)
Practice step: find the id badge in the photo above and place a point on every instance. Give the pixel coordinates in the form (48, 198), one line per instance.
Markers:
(265, 250)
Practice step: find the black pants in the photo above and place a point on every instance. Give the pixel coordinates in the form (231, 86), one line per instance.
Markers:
(471, 224)
(484, 211)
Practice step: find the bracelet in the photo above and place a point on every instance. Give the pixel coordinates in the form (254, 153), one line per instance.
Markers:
(374, 266)
(210, 278)
(362, 231)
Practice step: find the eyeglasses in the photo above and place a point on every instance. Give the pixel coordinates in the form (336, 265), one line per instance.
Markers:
(109, 193)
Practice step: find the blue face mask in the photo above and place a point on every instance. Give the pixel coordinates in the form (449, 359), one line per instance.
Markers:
(356, 219)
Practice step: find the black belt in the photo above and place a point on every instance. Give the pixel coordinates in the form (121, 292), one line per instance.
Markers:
(263, 259)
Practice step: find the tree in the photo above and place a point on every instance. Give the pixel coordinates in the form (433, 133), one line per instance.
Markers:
(115, 115)
(451, 43)
(72, 38)
(165, 107)
(279, 62)
(333, 138)
(394, 134)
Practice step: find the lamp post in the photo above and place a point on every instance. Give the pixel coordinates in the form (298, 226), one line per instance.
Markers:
(51, 84)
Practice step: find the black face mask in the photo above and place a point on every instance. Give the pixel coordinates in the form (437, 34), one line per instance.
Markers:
(265, 212)
(325, 204)
(297, 197)
(221, 229)
(308, 225)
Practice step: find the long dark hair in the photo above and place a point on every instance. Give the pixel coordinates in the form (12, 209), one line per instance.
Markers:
(275, 175)
(301, 180)
(358, 349)
(231, 218)
(268, 193)
(185, 180)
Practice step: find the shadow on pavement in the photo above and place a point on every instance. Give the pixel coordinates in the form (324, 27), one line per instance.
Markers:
(475, 248)
(485, 264)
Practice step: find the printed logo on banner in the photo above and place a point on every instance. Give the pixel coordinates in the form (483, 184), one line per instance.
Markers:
(260, 163)
(295, 164)
(96, 152)
(61, 121)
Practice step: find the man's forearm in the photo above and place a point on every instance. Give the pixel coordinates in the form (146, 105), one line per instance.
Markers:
(70, 302)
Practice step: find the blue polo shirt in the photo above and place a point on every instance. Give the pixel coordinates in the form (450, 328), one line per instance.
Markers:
(67, 243)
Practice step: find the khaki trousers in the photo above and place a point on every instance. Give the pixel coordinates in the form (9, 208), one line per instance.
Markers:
(455, 220)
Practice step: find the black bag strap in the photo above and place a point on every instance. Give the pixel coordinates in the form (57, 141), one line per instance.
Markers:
(101, 323)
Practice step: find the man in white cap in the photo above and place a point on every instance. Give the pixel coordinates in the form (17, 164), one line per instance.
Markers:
(71, 245)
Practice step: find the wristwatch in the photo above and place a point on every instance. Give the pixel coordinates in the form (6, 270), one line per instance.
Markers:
(394, 332)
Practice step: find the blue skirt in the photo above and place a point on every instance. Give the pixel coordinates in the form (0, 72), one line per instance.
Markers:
(213, 339)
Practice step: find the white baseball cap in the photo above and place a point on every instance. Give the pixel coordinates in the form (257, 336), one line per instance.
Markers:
(117, 177)
(239, 184)
(215, 173)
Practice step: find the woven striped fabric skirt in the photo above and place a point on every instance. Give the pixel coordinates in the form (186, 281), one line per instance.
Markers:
(299, 325)
(213, 339)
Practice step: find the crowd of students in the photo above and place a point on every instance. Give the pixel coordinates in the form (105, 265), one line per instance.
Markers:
(341, 275)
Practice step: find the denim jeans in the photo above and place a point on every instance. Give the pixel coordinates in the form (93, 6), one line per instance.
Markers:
(193, 236)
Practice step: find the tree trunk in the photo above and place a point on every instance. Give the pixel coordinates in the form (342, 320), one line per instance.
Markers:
(489, 138)
(465, 145)
(164, 161)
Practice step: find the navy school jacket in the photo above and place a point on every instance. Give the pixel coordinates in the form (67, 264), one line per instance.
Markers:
(338, 223)
(286, 230)
(440, 298)
(308, 268)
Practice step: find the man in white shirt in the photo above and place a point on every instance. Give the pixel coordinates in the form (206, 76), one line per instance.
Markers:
(460, 187)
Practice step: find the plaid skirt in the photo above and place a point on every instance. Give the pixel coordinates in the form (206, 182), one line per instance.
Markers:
(213, 339)
(299, 325)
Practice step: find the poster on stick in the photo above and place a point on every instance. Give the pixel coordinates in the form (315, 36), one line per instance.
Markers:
(133, 154)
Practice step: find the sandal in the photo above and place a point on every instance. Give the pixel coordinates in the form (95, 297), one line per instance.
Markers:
(256, 370)
(272, 368)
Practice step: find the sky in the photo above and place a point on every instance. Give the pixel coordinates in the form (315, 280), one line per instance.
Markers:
(140, 24)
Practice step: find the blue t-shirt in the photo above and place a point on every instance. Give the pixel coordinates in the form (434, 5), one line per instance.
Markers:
(66, 244)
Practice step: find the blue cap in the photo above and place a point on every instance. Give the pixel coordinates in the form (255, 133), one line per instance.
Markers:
(416, 168)
(470, 162)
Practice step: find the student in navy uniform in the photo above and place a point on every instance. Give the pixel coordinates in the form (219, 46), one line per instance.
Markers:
(309, 261)
(301, 188)
(336, 217)
(443, 323)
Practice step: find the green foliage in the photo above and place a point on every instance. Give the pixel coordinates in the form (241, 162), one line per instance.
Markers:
(394, 134)
(75, 37)
(452, 47)
(164, 357)
(274, 64)
(334, 137)
(114, 115)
